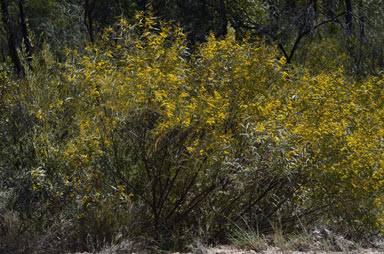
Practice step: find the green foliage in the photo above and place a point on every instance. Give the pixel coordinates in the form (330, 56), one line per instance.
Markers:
(60, 23)
(138, 135)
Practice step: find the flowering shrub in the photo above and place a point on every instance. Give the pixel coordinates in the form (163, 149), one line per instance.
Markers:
(169, 143)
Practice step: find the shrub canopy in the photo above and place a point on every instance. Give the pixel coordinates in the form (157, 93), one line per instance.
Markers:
(138, 135)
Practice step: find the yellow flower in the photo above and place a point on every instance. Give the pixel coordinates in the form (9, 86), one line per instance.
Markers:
(84, 158)
(95, 92)
(39, 114)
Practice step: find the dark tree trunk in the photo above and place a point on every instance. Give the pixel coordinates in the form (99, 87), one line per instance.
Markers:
(362, 21)
(118, 4)
(224, 21)
(315, 6)
(290, 5)
(328, 6)
(141, 4)
(348, 16)
(88, 19)
(23, 23)
(10, 37)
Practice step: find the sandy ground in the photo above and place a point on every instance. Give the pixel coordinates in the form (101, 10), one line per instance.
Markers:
(232, 250)
(226, 249)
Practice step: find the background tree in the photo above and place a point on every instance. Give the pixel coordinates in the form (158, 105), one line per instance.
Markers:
(301, 29)
(10, 36)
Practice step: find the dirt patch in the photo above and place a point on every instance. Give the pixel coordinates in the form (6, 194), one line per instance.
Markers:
(129, 248)
(273, 250)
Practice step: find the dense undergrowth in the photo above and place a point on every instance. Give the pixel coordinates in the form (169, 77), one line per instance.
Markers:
(139, 137)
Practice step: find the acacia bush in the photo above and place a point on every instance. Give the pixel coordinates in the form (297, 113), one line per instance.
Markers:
(138, 136)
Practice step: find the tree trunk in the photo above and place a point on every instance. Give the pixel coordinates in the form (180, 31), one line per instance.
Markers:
(141, 4)
(348, 16)
(88, 19)
(10, 37)
(224, 21)
(23, 23)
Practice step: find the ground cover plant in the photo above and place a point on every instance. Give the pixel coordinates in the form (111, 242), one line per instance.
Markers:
(138, 136)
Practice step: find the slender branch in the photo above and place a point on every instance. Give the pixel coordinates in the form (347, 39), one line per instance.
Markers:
(305, 32)
(283, 50)
(302, 33)
(196, 200)
(183, 196)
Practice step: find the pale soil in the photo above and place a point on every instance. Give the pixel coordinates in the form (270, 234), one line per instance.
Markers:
(229, 250)
(225, 249)
(232, 250)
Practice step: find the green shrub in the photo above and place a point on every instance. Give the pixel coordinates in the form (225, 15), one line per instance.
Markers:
(138, 136)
